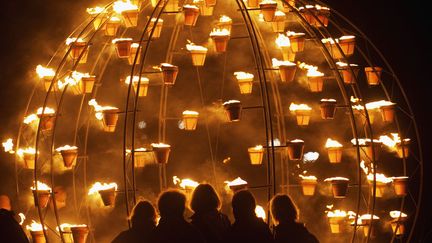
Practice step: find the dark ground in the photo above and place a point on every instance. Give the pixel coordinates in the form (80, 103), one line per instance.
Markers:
(32, 29)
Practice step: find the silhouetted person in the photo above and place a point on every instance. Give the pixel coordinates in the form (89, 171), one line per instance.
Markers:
(172, 227)
(10, 229)
(247, 226)
(143, 222)
(285, 216)
(207, 218)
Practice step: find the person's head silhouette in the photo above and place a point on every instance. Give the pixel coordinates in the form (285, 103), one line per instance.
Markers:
(204, 199)
(171, 204)
(283, 209)
(143, 214)
(243, 204)
(5, 202)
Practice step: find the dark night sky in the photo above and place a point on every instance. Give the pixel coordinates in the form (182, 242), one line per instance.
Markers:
(31, 30)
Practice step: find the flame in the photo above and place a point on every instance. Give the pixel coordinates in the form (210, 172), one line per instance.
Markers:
(114, 19)
(219, 32)
(258, 148)
(43, 72)
(279, 14)
(378, 104)
(397, 214)
(190, 6)
(193, 113)
(243, 75)
(301, 107)
(310, 157)
(332, 144)
(364, 141)
(160, 145)
(121, 6)
(365, 168)
(120, 39)
(47, 111)
(337, 178)
(380, 178)
(135, 79)
(282, 41)
(29, 150)
(276, 63)
(40, 187)
(276, 142)
(95, 10)
(236, 182)
(260, 212)
(66, 147)
(342, 64)
(30, 118)
(308, 178)
(312, 71)
(231, 102)
(65, 227)
(185, 183)
(224, 19)
(346, 37)
(72, 79)
(34, 226)
(292, 33)
(102, 187)
(337, 213)
(154, 20)
(268, 2)
(391, 143)
(317, 7)
(99, 109)
(366, 217)
(22, 218)
(73, 39)
(193, 47)
(8, 146)
(329, 206)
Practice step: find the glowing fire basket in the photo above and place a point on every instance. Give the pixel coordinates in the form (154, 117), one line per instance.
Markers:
(123, 47)
(190, 120)
(339, 186)
(143, 82)
(328, 108)
(47, 118)
(107, 192)
(348, 73)
(334, 150)
(302, 113)
(316, 16)
(268, 9)
(337, 220)
(295, 149)
(157, 29)
(36, 232)
(308, 184)
(169, 73)
(110, 117)
(220, 38)
(373, 75)
(69, 154)
(297, 41)
(287, 69)
(79, 233)
(400, 185)
(245, 82)
(198, 54)
(161, 152)
(191, 13)
(78, 49)
(398, 222)
(42, 195)
(256, 154)
(233, 110)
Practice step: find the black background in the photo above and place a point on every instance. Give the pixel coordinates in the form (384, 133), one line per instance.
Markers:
(31, 30)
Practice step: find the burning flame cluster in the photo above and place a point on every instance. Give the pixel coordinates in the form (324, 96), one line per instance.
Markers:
(102, 187)
(99, 109)
(8, 146)
(276, 63)
(333, 144)
(185, 183)
(302, 107)
(40, 186)
(34, 226)
(312, 71)
(73, 79)
(121, 6)
(44, 72)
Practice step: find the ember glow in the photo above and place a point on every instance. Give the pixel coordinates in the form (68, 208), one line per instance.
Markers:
(72, 40)
(66, 147)
(44, 72)
(310, 157)
(121, 6)
(40, 187)
(34, 226)
(397, 214)
(185, 183)
(99, 109)
(312, 71)
(276, 63)
(282, 41)
(260, 212)
(220, 32)
(236, 182)
(301, 107)
(333, 144)
(102, 187)
(135, 79)
(8, 146)
(193, 47)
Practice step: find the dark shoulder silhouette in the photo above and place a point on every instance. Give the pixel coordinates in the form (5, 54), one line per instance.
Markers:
(285, 215)
(247, 226)
(143, 220)
(10, 229)
(207, 218)
(172, 227)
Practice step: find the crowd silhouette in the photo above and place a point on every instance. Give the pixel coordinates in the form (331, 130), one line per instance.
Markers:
(168, 224)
